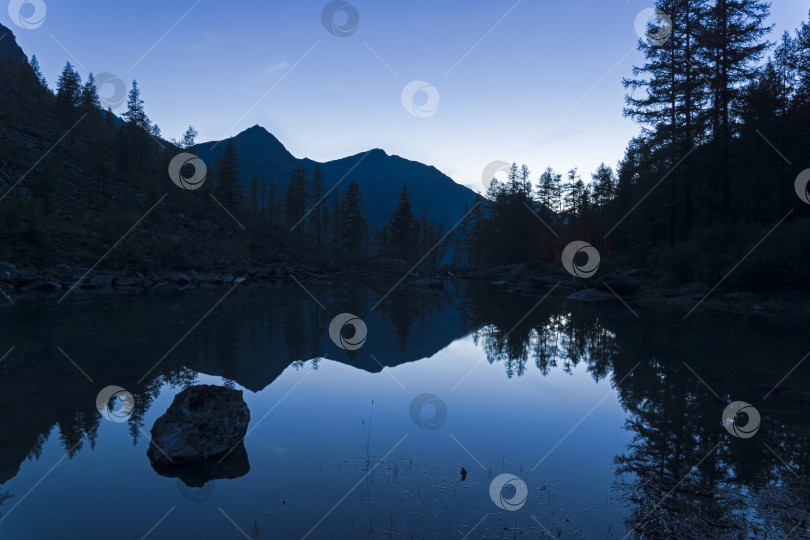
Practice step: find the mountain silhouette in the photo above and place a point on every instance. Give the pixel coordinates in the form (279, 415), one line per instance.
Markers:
(9, 50)
(76, 177)
(379, 175)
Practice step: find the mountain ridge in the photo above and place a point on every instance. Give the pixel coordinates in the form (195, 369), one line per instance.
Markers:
(379, 175)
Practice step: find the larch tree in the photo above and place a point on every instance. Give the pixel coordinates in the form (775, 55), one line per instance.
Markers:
(548, 191)
(189, 138)
(733, 32)
(673, 88)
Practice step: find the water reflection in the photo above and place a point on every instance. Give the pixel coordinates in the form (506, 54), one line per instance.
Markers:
(683, 475)
(234, 465)
(691, 477)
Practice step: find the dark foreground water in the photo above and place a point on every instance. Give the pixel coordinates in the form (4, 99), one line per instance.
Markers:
(571, 420)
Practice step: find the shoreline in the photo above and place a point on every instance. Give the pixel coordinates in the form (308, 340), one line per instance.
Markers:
(634, 287)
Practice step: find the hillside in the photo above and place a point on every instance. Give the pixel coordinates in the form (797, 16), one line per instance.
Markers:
(84, 188)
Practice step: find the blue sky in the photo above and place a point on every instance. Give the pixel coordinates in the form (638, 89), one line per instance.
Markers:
(542, 86)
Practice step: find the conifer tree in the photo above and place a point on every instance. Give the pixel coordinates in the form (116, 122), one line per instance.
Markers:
(90, 101)
(572, 196)
(673, 82)
(525, 181)
(68, 93)
(189, 137)
(336, 219)
(263, 196)
(227, 176)
(316, 194)
(354, 229)
(459, 242)
(271, 202)
(548, 190)
(802, 57)
(513, 180)
(733, 32)
(296, 202)
(604, 185)
(253, 193)
(402, 229)
(135, 114)
(109, 120)
(38, 71)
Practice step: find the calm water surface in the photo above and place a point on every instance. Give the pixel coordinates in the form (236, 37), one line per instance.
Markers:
(611, 421)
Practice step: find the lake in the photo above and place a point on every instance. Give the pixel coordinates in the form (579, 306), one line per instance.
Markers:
(571, 420)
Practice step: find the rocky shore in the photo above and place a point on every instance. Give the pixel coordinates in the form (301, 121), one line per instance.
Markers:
(636, 286)
(28, 281)
(61, 277)
(629, 285)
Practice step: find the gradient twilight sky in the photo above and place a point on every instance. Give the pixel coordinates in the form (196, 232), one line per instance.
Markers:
(542, 86)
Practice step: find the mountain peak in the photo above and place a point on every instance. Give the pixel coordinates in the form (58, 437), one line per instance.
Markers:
(257, 131)
(256, 128)
(379, 175)
(258, 135)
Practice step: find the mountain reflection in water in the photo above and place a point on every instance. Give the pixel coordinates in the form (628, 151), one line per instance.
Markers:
(680, 475)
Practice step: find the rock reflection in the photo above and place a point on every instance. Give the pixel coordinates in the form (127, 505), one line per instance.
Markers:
(683, 474)
(201, 436)
(197, 474)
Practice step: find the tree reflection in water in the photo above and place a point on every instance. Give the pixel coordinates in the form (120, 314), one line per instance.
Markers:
(683, 474)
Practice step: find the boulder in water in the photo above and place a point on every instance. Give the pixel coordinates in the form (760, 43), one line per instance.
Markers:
(204, 423)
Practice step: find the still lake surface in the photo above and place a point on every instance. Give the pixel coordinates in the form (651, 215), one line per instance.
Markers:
(612, 422)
